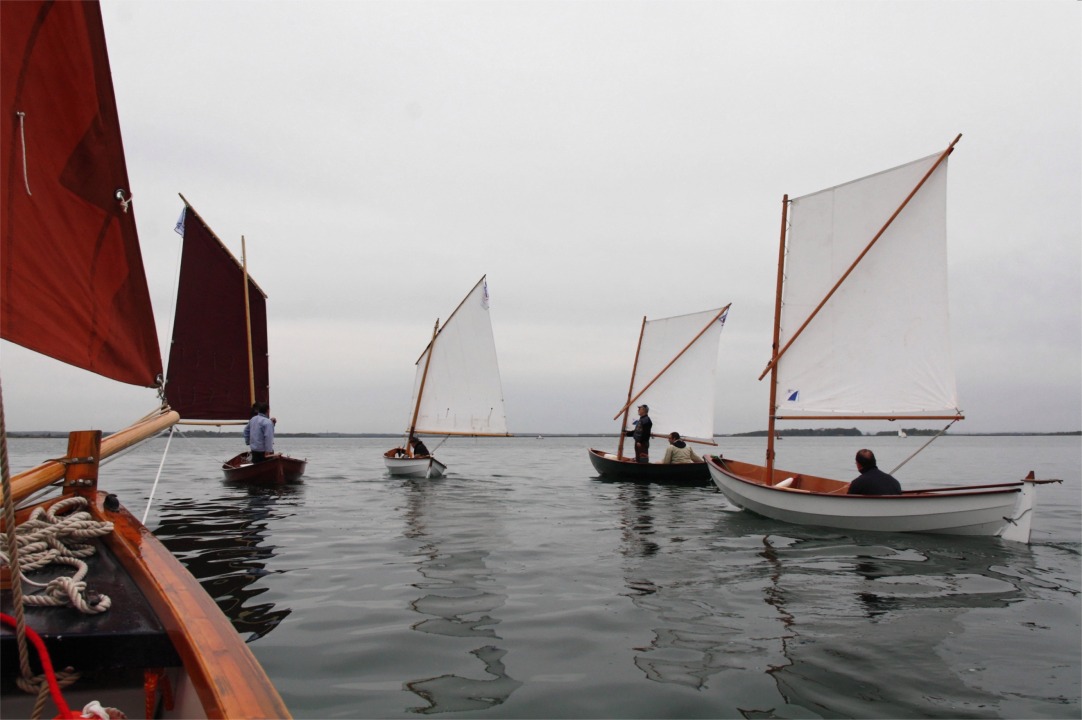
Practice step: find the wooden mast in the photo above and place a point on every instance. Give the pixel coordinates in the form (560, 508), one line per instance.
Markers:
(248, 322)
(630, 389)
(770, 421)
(421, 388)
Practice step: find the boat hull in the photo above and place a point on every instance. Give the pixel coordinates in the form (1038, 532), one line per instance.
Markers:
(425, 466)
(275, 470)
(168, 622)
(609, 467)
(958, 511)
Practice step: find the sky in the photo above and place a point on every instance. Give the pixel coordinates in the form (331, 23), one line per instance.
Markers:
(599, 162)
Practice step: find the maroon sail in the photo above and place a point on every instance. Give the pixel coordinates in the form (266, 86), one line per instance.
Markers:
(72, 283)
(208, 360)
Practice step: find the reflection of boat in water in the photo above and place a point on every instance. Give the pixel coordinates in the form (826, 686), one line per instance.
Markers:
(460, 597)
(223, 543)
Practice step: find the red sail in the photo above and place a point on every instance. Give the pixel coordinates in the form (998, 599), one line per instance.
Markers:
(208, 360)
(72, 284)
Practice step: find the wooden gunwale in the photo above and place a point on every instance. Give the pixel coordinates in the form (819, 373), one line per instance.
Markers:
(744, 472)
(229, 680)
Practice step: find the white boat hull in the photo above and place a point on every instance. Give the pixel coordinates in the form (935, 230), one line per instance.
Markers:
(426, 467)
(959, 511)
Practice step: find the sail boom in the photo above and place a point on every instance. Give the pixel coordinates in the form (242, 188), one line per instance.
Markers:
(440, 433)
(869, 417)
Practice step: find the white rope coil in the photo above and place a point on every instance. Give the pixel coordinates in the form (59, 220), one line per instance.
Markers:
(51, 537)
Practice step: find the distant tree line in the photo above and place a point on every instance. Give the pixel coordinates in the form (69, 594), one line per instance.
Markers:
(808, 432)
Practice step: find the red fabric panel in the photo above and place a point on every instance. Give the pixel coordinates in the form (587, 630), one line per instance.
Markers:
(72, 284)
(208, 359)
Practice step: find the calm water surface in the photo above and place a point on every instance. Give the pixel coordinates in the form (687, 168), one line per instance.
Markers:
(520, 585)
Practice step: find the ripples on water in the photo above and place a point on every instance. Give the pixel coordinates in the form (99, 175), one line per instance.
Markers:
(521, 586)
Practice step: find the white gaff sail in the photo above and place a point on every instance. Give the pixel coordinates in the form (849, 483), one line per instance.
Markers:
(462, 392)
(682, 398)
(880, 346)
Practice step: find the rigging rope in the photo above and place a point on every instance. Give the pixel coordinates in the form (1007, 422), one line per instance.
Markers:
(157, 477)
(22, 134)
(921, 448)
(49, 537)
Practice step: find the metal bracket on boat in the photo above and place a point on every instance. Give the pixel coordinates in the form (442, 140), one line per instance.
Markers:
(84, 481)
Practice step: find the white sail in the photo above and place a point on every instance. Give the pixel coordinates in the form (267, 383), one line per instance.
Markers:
(681, 399)
(880, 345)
(462, 392)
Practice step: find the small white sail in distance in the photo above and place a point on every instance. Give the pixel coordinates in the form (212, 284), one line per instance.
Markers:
(462, 393)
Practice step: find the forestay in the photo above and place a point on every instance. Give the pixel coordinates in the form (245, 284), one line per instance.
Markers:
(880, 345)
(462, 392)
(681, 399)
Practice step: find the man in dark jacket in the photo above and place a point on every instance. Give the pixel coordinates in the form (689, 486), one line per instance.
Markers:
(872, 480)
(641, 433)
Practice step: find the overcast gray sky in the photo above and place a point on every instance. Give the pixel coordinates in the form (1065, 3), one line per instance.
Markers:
(600, 161)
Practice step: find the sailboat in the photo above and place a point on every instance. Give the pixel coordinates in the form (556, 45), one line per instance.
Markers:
(456, 388)
(74, 289)
(218, 359)
(861, 332)
(673, 373)
(902, 434)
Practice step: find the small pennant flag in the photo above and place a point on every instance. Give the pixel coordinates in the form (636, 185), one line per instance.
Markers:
(179, 227)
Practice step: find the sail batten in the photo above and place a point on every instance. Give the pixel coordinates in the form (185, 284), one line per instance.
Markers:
(209, 377)
(462, 390)
(880, 346)
(676, 372)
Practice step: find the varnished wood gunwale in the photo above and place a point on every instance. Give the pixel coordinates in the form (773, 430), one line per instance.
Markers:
(229, 680)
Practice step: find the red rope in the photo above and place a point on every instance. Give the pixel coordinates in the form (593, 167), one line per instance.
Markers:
(46, 664)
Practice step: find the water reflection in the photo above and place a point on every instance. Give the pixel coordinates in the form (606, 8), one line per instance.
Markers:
(689, 645)
(223, 543)
(815, 582)
(460, 598)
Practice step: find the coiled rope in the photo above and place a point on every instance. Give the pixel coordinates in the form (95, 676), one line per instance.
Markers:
(49, 536)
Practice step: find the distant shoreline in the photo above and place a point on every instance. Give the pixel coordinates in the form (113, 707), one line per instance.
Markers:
(829, 432)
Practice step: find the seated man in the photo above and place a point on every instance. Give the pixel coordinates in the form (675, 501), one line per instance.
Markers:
(872, 480)
(679, 451)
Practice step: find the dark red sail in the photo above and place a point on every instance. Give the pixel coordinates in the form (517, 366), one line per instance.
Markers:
(208, 359)
(72, 283)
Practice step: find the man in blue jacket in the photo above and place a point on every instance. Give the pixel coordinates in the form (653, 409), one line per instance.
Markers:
(259, 433)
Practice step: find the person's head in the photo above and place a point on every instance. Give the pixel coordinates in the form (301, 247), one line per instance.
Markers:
(865, 459)
(414, 440)
(674, 437)
(643, 409)
(262, 407)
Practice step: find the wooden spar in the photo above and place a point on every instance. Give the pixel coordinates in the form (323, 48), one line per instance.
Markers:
(870, 417)
(461, 302)
(771, 420)
(935, 165)
(421, 387)
(677, 357)
(30, 481)
(630, 389)
(248, 322)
